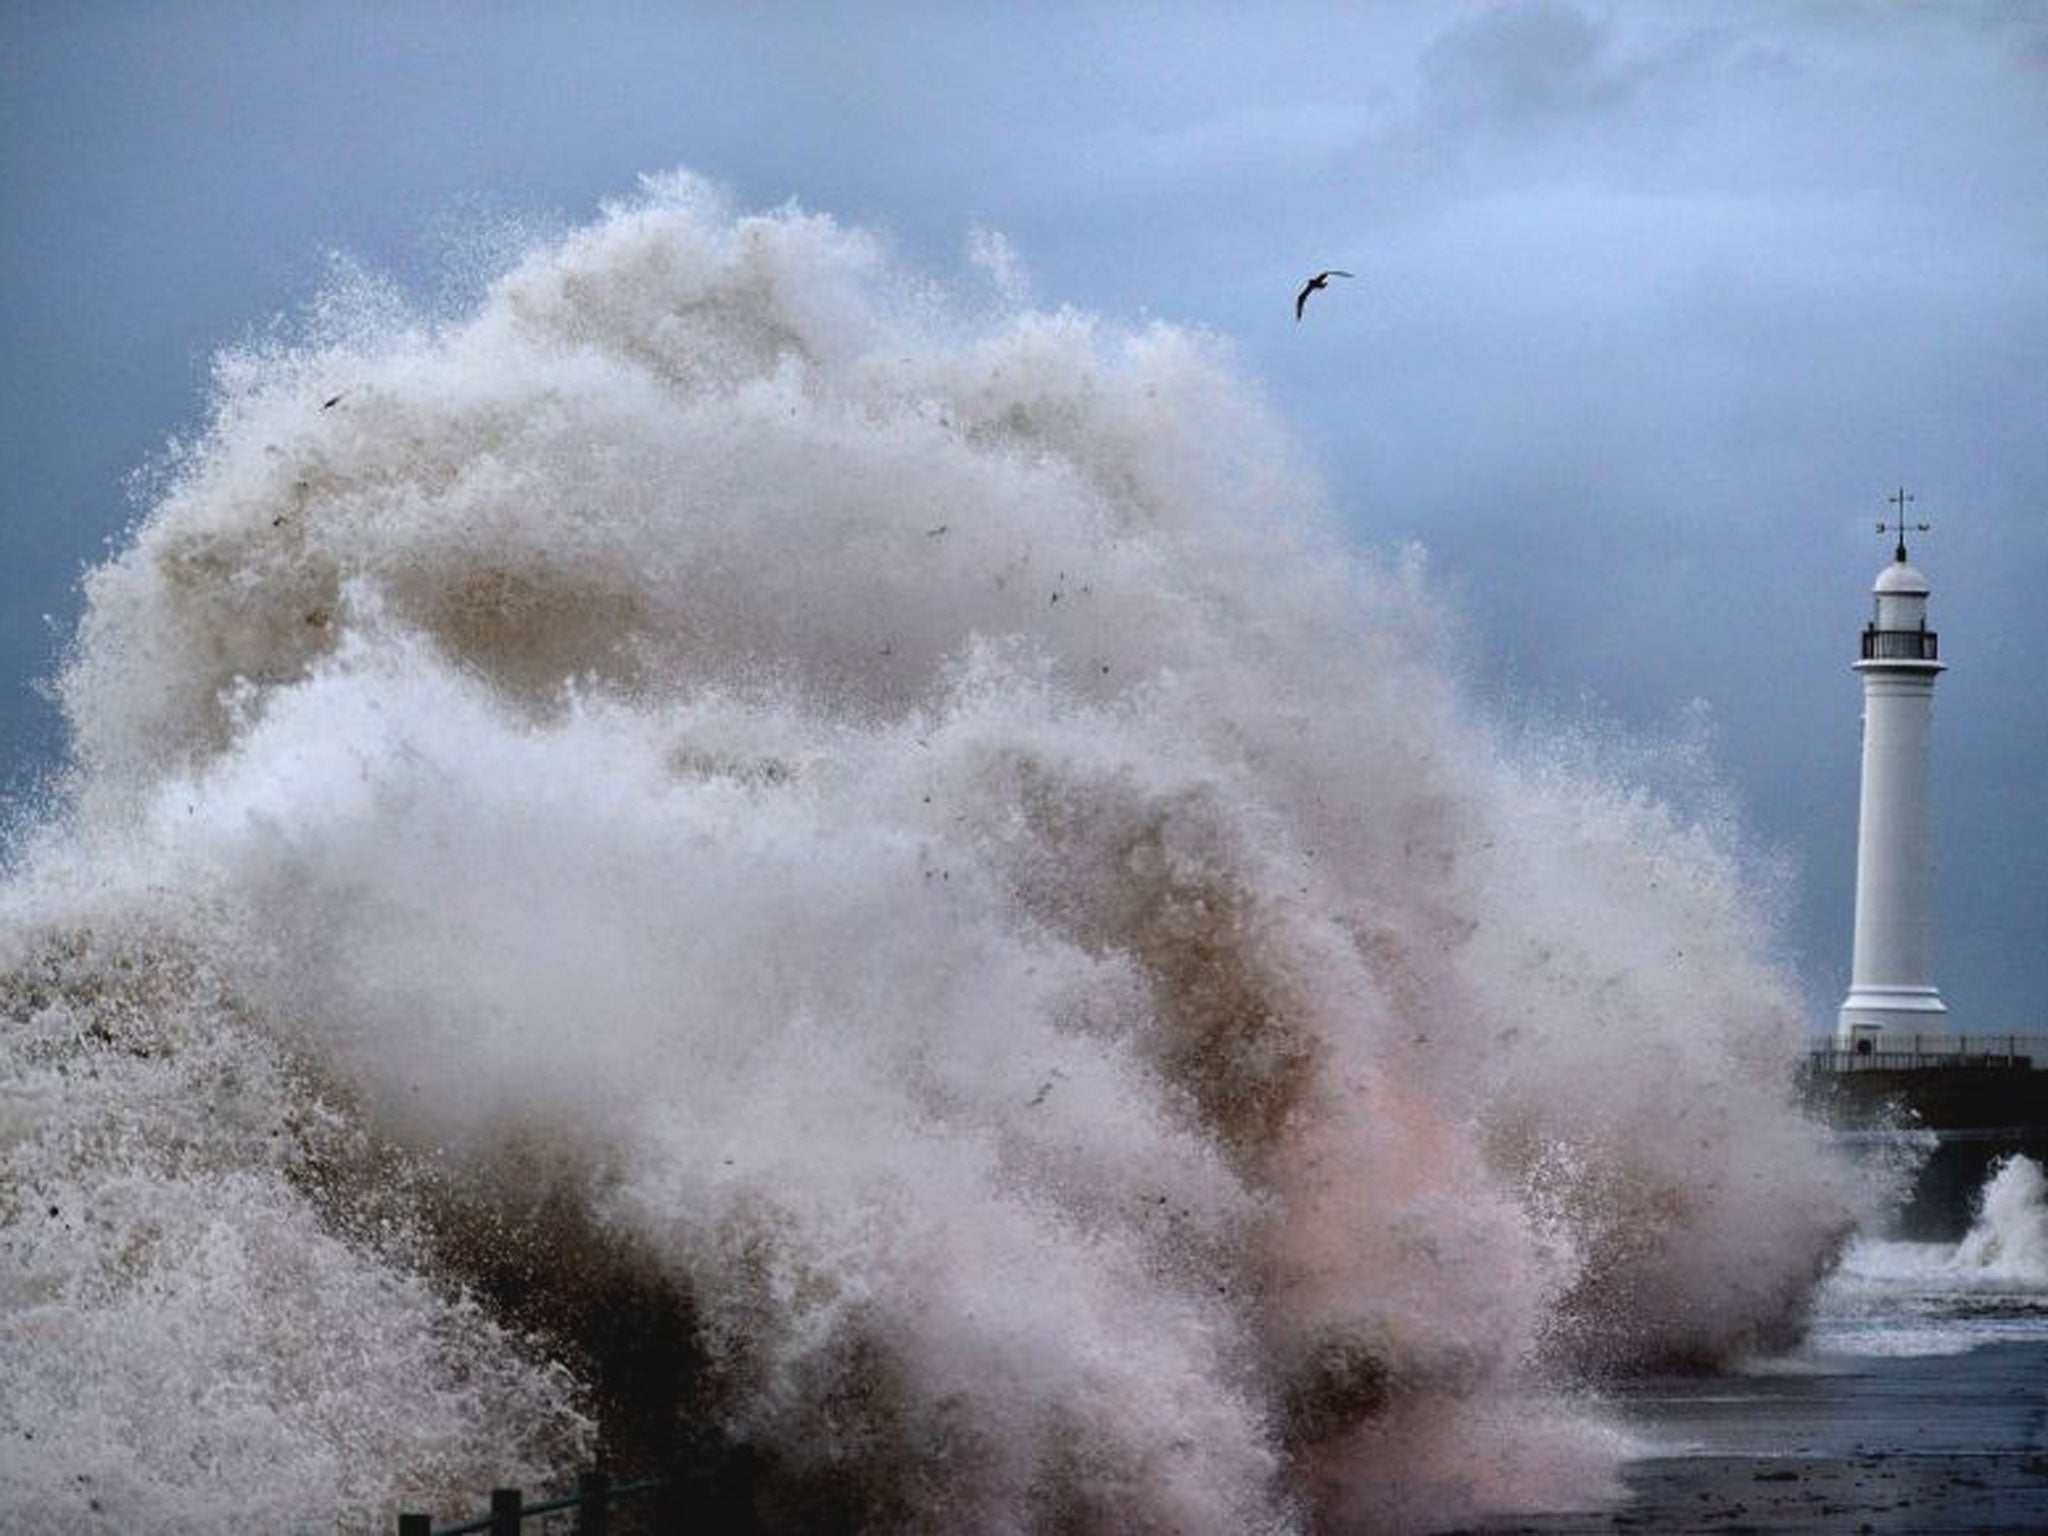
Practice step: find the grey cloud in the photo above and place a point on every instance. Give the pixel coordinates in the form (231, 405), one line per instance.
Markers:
(1522, 64)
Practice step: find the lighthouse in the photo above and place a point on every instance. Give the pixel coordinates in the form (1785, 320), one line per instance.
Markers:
(1892, 997)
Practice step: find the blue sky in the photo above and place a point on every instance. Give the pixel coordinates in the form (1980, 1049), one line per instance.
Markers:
(1655, 305)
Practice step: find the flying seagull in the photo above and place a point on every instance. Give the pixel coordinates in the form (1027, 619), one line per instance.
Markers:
(1320, 280)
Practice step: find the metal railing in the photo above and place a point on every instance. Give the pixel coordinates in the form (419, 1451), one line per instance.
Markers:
(1921, 1051)
(1900, 645)
(592, 1502)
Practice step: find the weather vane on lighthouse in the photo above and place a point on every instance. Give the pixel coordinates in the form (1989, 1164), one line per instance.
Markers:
(1900, 499)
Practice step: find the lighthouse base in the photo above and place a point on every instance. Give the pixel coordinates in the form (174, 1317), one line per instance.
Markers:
(1889, 1018)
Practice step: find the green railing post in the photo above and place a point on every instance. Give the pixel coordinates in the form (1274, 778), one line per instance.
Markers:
(594, 1515)
(506, 1511)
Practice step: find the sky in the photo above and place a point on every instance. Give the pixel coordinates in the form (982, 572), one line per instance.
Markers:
(1655, 305)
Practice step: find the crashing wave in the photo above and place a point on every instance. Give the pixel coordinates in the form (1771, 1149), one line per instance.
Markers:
(725, 863)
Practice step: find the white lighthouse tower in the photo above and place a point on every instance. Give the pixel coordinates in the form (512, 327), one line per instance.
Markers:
(1892, 997)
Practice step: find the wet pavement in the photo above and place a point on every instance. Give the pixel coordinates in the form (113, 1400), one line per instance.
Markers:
(1923, 1444)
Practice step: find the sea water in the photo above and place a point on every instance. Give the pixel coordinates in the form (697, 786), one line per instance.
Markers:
(732, 858)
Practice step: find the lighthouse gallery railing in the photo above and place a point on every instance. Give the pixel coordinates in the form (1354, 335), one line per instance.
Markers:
(1900, 645)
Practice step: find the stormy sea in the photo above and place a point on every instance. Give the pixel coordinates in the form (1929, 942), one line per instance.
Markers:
(729, 860)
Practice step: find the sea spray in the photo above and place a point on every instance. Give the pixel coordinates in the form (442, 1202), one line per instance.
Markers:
(2008, 1241)
(186, 1339)
(902, 833)
(1897, 1297)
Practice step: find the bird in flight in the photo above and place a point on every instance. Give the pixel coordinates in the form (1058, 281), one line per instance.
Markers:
(1320, 280)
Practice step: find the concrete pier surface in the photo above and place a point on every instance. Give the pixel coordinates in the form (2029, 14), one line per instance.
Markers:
(1930, 1443)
